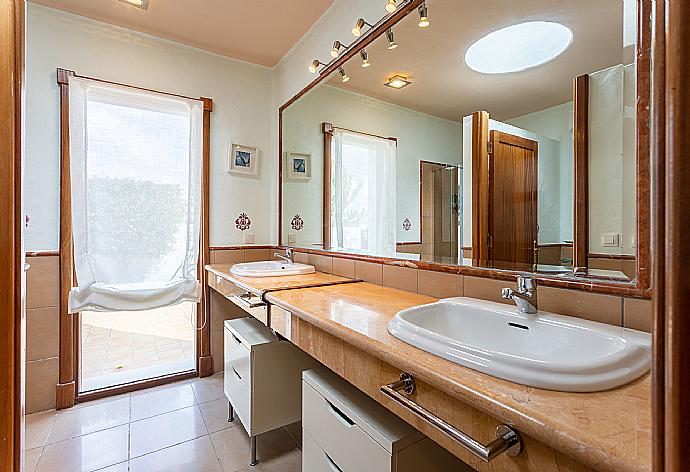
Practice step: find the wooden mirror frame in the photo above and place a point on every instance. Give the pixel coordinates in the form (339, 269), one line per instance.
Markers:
(639, 287)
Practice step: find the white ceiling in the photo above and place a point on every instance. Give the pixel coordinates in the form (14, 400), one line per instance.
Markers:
(258, 31)
(444, 86)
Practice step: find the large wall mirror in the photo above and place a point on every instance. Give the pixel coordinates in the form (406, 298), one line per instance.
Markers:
(508, 135)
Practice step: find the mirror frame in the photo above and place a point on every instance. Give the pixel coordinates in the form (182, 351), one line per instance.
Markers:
(640, 286)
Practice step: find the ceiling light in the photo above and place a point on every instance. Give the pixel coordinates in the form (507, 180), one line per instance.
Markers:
(423, 18)
(518, 47)
(397, 82)
(143, 4)
(344, 77)
(390, 6)
(357, 30)
(335, 51)
(391, 39)
(365, 58)
(313, 67)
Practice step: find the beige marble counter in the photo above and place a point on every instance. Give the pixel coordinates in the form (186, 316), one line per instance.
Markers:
(605, 430)
(260, 285)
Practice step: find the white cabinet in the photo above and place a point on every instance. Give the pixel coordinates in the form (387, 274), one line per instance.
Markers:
(262, 378)
(346, 431)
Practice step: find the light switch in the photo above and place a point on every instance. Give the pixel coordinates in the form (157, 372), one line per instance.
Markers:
(249, 238)
(292, 239)
(610, 239)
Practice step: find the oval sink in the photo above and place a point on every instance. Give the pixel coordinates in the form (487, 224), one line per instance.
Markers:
(545, 350)
(270, 269)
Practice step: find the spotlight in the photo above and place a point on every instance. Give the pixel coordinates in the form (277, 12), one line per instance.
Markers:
(343, 75)
(391, 39)
(390, 6)
(357, 30)
(335, 50)
(423, 18)
(314, 65)
(365, 58)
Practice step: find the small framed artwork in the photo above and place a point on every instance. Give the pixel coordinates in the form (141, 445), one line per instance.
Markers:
(299, 165)
(243, 160)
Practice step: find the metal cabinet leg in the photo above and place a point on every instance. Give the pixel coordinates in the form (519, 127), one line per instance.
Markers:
(231, 413)
(253, 446)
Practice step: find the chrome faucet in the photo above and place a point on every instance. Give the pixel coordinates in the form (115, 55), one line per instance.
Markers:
(525, 297)
(287, 257)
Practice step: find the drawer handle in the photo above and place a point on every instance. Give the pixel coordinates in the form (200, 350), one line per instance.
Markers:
(331, 464)
(236, 339)
(342, 417)
(507, 439)
(238, 375)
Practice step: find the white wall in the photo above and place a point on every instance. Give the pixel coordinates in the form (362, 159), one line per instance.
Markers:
(420, 137)
(242, 113)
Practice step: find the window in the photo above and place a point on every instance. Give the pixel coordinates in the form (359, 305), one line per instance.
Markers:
(363, 193)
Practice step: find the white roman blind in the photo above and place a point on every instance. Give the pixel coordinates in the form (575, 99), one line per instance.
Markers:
(135, 164)
(363, 193)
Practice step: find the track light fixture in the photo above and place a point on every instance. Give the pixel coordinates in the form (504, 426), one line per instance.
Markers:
(365, 58)
(314, 66)
(423, 18)
(335, 50)
(390, 6)
(357, 29)
(391, 39)
(343, 76)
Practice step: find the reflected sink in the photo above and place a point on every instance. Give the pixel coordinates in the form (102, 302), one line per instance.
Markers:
(270, 269)
(545, 350)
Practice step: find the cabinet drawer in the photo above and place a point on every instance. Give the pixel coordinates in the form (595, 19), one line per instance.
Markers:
(313, 457)
(339, 436)
(237, 356)
(237, 392)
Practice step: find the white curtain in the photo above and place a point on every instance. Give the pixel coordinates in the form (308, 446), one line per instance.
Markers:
(135, 164)
(363, 193)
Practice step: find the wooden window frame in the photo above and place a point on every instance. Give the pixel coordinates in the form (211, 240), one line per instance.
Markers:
(67, 390)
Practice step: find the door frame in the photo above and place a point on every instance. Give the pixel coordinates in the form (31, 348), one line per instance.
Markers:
(67, 389)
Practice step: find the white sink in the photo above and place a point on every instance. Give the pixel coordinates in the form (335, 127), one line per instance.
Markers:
(547, 351)
(270, 269)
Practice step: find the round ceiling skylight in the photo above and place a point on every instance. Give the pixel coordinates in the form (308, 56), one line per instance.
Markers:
(518, 47)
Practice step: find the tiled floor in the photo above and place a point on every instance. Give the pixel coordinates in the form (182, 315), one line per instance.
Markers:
(179, 427)
(124, 342)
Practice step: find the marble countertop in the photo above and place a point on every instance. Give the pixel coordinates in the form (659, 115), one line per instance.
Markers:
(260, 285)
(608, 430)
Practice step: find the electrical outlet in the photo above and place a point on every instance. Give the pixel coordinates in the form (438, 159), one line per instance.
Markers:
(249, 238)
(610, 239)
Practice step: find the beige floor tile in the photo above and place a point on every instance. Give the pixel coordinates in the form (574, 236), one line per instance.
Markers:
(215, 415)
(179, 383)
(38, 427)
(192, 456)
(208, 388)
(233, 448)
(77, 422)
(159, 432)
(161, 401)
(86, 453)
(288, 462)
(31, 458)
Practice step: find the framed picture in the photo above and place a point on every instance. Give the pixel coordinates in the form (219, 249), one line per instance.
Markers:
(299, 165)
(243, 160)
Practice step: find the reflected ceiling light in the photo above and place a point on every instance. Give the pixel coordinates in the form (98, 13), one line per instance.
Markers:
(365, 58)
(313, 67)
(398, 82)
(343, 76)
(143, 4)
(390, 6)
(518, 47)
(423, 18)
(335, 50)
(391, 39)
(357, 30)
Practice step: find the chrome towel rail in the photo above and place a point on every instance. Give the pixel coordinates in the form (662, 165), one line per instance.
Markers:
(507, 439)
